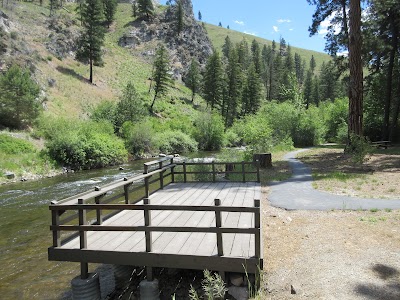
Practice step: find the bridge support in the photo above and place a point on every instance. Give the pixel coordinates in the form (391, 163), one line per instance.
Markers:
(86, 289)
(149, 290)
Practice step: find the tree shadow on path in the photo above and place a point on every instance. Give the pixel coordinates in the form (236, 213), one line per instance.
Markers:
(389, 291)
(72, 73)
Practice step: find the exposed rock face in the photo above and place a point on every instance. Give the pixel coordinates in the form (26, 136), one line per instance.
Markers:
(62, 39)
(191, 42)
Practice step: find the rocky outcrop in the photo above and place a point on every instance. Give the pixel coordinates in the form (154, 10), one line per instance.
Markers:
(62, 38)
(191, 42)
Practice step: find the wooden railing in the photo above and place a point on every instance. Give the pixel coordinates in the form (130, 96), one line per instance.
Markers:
(219, 168)
(82, 228)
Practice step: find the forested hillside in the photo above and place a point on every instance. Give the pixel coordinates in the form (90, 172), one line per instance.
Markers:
(101, 79)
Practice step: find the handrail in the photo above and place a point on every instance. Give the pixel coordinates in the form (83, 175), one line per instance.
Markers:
(218, 229)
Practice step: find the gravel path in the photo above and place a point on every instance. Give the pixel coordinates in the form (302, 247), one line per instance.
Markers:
(297, 193)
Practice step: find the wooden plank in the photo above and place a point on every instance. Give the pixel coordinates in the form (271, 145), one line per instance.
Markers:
(175, 245)
(209, 245)
(229, 264)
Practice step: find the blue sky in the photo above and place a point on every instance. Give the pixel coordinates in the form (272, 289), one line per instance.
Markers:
(264, 18)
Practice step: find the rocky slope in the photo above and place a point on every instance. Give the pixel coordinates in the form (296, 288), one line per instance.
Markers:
(192, 41)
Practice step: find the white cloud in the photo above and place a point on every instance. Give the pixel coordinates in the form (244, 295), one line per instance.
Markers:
(284, 21)
(291, 29)
(325, 24)
(241, 23)
(251, 33)
(275, 28)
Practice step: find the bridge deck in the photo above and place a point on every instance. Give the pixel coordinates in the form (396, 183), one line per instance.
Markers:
(181, 249)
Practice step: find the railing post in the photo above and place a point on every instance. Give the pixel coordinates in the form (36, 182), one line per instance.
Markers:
(257, 225)
(213, 170)
(258, 170)
(218, 222)
(243, 172)
(146, 182)
(172, 170)
(55, 221)
(98, 211)
(184, 172)
(161, 175)
(126, 191)
(83, 239)
(147, 222)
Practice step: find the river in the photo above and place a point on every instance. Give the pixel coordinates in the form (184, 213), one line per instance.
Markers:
(25, 235)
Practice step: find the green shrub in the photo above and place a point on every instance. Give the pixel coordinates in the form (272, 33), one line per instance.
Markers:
(359, 148)
(11, 145)
(104, 111)
(209, 131)
(175, 142)
(84, 145)
(335, 117)
(310, 129)
(139, 138)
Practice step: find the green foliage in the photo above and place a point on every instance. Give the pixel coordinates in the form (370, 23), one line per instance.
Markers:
(193, 81)
(179, 17)
(104, 111)
(145, 8)
(18, 98)
(11, 145)
(174, 142)
(310, 129)
(359, 148)
(209, 131)
(91, 39)
(130, 107)
(161, 76)
(139, 138)
(83, 145)
(335, 118)
(214, 81)
(110, 7)
(213, 287)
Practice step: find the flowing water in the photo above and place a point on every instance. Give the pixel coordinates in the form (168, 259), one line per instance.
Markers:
(25, 235)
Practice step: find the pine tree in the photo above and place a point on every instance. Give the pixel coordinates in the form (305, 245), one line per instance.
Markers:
(299, 68)
(252, 92)
(227, 46)
(315, 94)
(134, 9)
(110, 7)
(256, 55)
(194, 78)
(18, 93)
(92, 37)
(145, 8)
(308, 88)
(161, 76)
(179, 17)
(220, 24)
(53, 6)
(200, 16)
(313, 64)
(243, 54)
(214, 81)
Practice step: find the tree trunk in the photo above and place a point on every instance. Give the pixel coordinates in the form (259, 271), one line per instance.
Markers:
(356, 72)
(389, 82)
(91, 70)
(152, 104)
(264, 159)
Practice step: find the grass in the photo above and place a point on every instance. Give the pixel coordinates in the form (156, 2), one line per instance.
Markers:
(335, 172)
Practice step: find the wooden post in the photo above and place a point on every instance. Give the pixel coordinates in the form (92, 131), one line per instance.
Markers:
(149, 273)
(98, 211)
(213, 170)
(218, 222)
(257, 225)
(83, 239)
(172, 170)
(146, 188)
(258, 170)
(184, 172)
(243, 172)
(147, 222)
(55, 216)
(161, 175)
(126, 191)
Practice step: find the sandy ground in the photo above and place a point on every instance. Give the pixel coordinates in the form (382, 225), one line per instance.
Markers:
(331, 255)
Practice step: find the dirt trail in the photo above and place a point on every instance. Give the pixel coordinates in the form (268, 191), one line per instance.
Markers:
(331, 255)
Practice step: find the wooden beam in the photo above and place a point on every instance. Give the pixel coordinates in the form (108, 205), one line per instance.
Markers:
(147, 223)
(218, 222)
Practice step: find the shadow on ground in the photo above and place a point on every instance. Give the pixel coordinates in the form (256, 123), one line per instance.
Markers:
(389, 291)
(72, 73)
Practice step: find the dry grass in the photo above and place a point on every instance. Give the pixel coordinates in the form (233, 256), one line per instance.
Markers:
(334, 172)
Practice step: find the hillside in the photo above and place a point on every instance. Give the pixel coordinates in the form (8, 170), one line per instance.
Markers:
(218, 34)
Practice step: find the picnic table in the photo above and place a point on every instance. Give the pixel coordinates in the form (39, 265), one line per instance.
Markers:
(382, 144)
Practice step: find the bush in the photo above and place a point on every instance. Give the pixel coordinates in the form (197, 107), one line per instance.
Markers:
(310, 129)
(85, 145)
(336, 114)
(175, 142)
(209, 131)
(104, 111)
(139, 138)
(11, 145)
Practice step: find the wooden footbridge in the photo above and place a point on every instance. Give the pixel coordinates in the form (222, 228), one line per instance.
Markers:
(175, 215)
